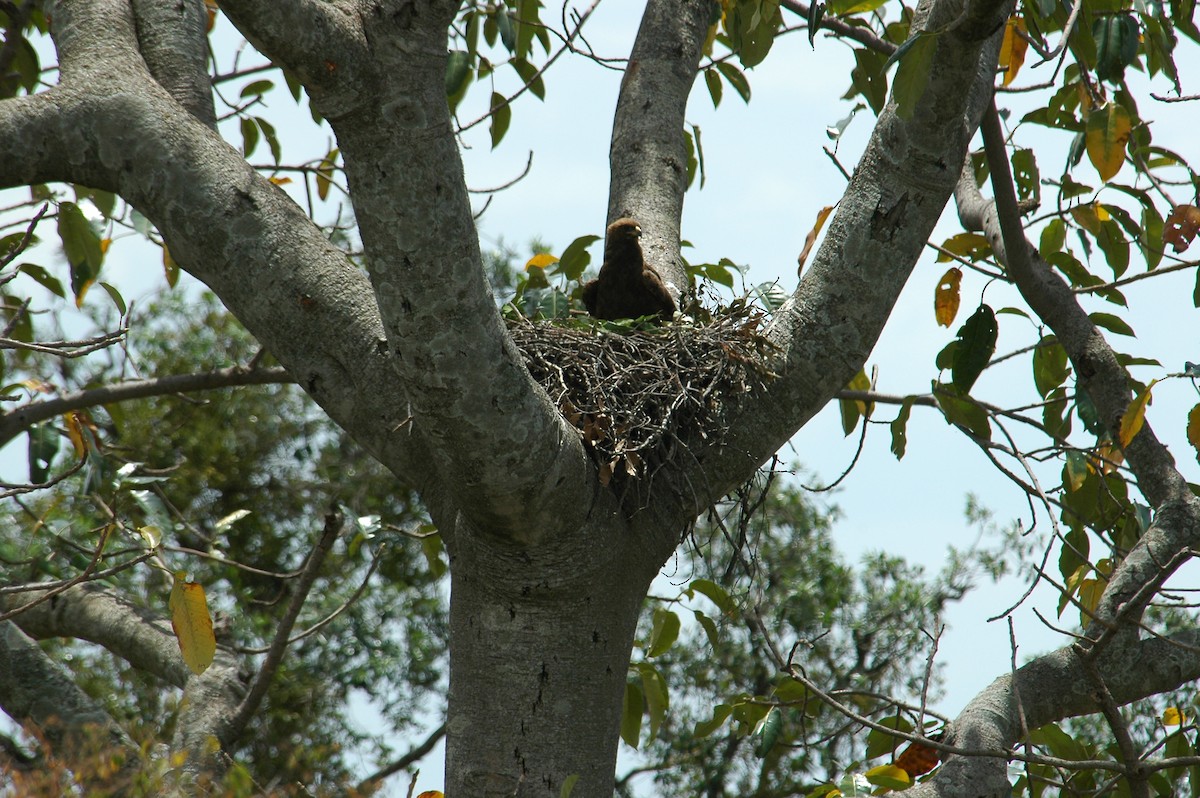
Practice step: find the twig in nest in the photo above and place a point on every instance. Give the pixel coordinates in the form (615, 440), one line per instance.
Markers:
(634, 394)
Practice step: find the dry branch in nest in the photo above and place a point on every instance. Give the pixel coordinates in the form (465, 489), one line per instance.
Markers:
(636, 394)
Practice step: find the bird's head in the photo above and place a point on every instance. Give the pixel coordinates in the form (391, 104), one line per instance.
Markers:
(621, 247)
(624, 229)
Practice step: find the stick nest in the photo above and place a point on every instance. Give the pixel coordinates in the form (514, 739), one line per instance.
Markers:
(637, 393)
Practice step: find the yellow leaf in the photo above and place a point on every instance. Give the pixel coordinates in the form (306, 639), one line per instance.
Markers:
(1135, 415)
(811, 239)
(152, 535)
(540, 261)
(104, 245)
(892, 777)
(192, 623)
(1109, 457)
(1090, 217)
(1090, 591)
(170, 267)
(1193, 429)
(946, 297)
(75, 432)
(280, 181)
(1012, 50)
(1108, 129)
(1173, 716)
(431, 794)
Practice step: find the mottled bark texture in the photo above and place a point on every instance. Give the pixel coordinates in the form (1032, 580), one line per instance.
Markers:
(548, 568)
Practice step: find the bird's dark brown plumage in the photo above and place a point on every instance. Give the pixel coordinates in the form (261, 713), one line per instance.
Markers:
(627, 287)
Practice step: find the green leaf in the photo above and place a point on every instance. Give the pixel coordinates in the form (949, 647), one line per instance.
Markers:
(736, 79)
(1151, 238)
(1054, 237)
(912, 76)
(43, 278)
(869, 78)
(712, 80)
(249, 136)
(501, 117)
(1056, 417)
(43, 446)
(508, 34)
(257, 87)
(631, 714)
(752, 27)
(766, 734)
(704, 728)
(82, 247)
(1050, 367)
(432, 548)
(575, 257)
(890, 777)
(880, 743)
(1087, 412)
(1114, 246)
(268, 131)
(899, 428)
(853, 409)
(527, 25)
(715, 593)
(967, 245)
(664, 632)
(458, 71)
(709, 626)
(1026, 175)
(1114, 324)
(1075, 550)
(116, 297)
(654, 689)
(962, 412)
(845, 8)
(1116, 38)
(568, 785)
(976, 344)
(530, 76)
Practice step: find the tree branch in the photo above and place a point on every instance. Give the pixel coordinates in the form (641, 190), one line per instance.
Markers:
(139, 636)
(647, 156)
(415, 755)
(172, 40)
(20, 419)
(35, 689)
(829, 325)
(109, 125)
(1056, 685)
(301, 35)
(266, 672)
(511, 462)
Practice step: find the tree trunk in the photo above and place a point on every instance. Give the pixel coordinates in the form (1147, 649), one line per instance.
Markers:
(540, 643)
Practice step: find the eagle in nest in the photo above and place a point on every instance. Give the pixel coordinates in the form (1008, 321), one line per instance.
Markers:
(627, 287)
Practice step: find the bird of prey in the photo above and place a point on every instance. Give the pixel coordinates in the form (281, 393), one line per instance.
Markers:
(627, 287)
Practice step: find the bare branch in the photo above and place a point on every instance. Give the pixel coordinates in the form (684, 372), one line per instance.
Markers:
(266, 672)
(19, 419)
(415, 755)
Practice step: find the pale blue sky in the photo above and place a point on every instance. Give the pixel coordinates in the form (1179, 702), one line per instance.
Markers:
(766, 180)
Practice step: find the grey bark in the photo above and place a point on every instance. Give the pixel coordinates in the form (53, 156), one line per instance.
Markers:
(39, 691)
(548, 569)
(142, 638)
(172, 39)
